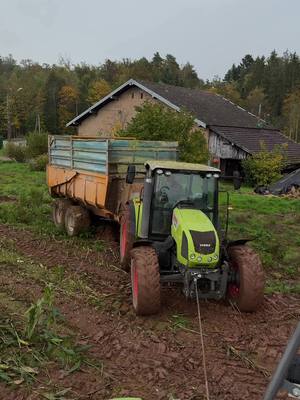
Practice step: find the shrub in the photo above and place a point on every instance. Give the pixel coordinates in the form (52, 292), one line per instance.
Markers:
(156, 122)
(264, 167)
(37, 144)
(39, 163)
(16, 152)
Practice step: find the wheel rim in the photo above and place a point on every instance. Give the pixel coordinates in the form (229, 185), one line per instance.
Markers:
(234, 290)
(123, 239)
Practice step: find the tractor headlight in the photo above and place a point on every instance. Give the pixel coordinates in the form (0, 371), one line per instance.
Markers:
(192, 256)
(216, 256)
(209, 259)
(199, 259)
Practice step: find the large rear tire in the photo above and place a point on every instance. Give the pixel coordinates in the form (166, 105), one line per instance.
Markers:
(145, 281)
(247, 291)
(77, 220)
(60, 207)
(126, 238)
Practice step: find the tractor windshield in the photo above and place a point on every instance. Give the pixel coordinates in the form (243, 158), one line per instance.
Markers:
(182, 189)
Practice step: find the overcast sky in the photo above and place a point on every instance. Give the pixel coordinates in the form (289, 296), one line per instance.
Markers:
(211, 34)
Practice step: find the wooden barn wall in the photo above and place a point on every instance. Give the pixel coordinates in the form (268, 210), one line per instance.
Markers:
(222, 148)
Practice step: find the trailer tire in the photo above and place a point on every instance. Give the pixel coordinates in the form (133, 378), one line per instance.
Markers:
(60, 207)
(145, 281)
(247, 292)
(127, 234)
(77, 220)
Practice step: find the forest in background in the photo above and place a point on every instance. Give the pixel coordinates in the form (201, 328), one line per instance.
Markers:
(37, 96)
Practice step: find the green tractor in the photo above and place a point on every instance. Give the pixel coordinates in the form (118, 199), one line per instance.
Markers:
(171, 233)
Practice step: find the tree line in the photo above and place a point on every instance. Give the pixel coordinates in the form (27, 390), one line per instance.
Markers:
(45, 97)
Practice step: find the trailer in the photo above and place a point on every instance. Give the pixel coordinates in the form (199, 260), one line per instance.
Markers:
(91, 172)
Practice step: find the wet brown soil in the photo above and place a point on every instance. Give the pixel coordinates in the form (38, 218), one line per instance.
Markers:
(154, 357)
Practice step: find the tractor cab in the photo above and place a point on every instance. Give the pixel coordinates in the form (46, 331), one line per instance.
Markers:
(183, 186)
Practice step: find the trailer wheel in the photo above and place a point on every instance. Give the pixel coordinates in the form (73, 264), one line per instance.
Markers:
(77, 220)
(247, 290)
(60, 207)
(145, 281)
(127, 228)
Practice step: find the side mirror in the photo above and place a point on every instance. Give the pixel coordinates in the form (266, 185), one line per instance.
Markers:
(237, 180)
(130, 174)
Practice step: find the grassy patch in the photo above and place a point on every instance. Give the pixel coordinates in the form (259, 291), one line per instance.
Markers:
(273, 225)
(31, 205)
(279, 286)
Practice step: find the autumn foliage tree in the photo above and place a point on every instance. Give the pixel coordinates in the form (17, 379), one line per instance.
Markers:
(291, 112)
(67, 98)
(97, 91)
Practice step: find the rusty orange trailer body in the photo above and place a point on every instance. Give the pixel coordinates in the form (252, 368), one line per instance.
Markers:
(92, 171)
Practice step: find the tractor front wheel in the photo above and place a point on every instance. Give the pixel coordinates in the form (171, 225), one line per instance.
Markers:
(145, 280)
(247, 289)
(77, 220)
(60, 207)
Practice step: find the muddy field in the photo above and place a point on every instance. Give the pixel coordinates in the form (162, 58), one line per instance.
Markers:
(156, 357)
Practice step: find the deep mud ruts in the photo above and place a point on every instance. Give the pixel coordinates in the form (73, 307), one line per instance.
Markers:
(151, 357)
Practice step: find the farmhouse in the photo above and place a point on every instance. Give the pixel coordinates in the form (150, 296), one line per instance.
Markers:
(232, 132)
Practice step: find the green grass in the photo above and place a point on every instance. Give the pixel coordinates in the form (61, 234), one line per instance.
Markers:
(31, 205)
(274, 225)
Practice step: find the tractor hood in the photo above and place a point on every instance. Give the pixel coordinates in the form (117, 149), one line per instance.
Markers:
(196, 238)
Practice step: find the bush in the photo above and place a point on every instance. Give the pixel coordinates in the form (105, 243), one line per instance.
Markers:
(264, 167)
(16, 152)
(39, 163)
(156, 122)
(37, 144)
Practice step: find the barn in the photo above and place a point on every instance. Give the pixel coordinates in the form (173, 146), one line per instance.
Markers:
(232, 133)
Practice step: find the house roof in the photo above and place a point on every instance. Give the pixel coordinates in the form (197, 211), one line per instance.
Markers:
(208, 108)
(250, 139)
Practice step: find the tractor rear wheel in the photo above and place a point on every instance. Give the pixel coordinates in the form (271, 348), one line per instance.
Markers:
(60, 207)
(77, 220)
(145, 280)
(247, 290)
(126, 238)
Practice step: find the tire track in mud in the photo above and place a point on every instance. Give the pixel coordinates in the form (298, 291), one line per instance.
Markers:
(142, 356)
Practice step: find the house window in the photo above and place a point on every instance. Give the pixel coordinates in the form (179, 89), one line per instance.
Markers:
(142, 95)
(132, 95)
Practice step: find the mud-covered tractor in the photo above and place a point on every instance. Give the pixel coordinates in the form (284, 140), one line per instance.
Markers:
(168, 215)
(171, 233)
